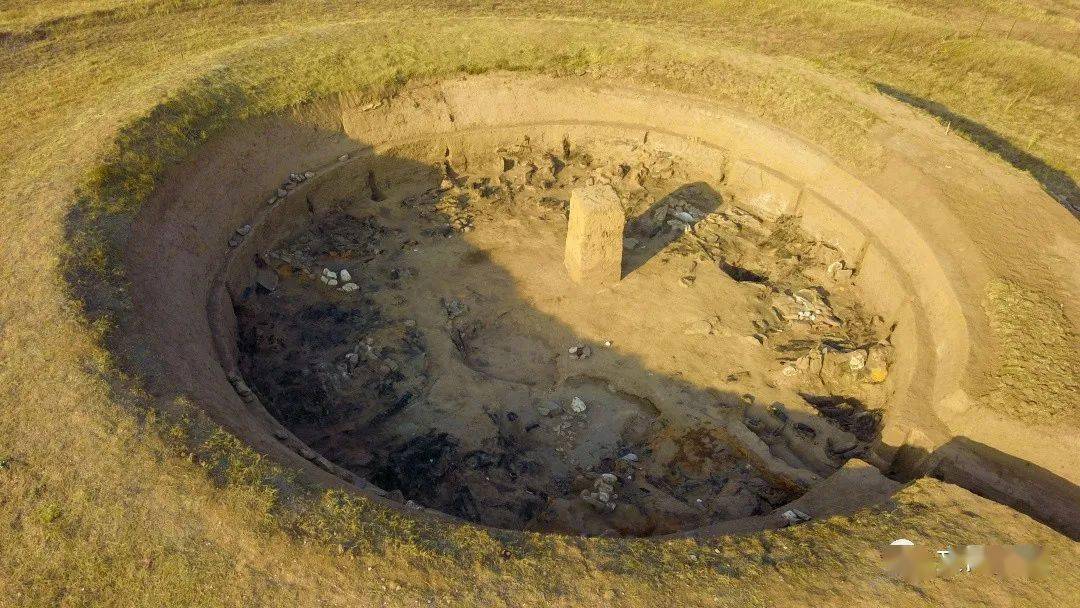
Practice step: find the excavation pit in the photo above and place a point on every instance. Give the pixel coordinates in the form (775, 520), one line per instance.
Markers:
(425, 335)
(377, 294)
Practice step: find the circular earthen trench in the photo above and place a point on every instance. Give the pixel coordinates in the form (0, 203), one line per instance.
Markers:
(377, 293)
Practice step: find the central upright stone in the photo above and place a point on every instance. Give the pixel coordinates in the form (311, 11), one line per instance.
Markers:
(594, 236)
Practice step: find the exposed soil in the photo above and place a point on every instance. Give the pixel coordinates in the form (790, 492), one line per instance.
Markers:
(427, 338)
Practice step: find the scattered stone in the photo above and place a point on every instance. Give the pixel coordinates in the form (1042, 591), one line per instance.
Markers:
(235, 241)
(794, 516)
(857, 360)
(244, 230)
(282, 192)
(877, 362)
(549, 409)
(603, 493)
(839, 271)
(343, 158)
(349, 287)
(581, 351)
(598, 500)
(577, 405)
(684, 217)
(688, 280)
(678, 226)
(329, 274)
(607, 343)
(629, 457)
(309, 174)
(455, 308)
(344, 275)
(778, 410)
(805, 305)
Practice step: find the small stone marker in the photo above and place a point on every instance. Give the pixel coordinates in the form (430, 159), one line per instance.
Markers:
(594, 240)
(578, 405)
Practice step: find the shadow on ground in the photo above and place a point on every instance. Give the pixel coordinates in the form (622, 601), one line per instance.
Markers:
(651, 235)
(1057, 183)
(1003, 478)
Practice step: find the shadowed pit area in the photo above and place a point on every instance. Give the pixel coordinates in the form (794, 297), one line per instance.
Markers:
(426, 337)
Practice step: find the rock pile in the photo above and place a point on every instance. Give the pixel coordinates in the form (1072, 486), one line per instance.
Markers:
(602, 495)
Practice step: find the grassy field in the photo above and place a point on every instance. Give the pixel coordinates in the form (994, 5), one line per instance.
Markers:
(104, 502)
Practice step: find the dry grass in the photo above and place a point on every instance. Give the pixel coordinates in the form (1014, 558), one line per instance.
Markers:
(103, 502)
(1038, 376)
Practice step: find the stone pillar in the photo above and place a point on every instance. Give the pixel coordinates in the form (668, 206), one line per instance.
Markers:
(594, 236)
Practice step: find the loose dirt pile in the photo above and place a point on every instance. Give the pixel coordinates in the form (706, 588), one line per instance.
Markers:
(426, 337)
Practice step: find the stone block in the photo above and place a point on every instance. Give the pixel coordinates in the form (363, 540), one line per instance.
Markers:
(594, 236)
(763, 190)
